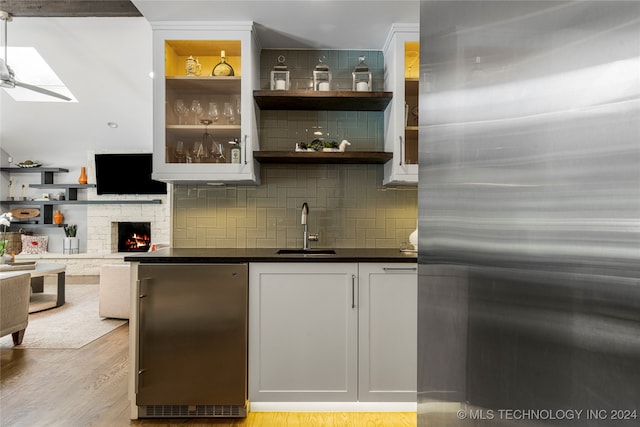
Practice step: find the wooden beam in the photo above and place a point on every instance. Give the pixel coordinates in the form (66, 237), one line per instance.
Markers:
(69, 8)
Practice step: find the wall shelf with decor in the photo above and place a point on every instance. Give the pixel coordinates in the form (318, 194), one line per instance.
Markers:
(45, 219)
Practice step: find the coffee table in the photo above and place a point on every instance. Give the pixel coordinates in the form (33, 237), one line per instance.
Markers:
(45, 301)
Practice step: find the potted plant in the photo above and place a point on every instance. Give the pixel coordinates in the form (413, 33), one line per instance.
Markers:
(71, 243)
(330, 146)
(5, 221)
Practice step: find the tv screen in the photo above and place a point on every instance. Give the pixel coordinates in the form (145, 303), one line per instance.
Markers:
(126, 174)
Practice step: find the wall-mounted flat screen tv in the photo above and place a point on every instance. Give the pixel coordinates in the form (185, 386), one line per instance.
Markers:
(126, 173)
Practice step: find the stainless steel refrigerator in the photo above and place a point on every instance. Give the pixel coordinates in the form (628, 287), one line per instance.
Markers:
(529, 213)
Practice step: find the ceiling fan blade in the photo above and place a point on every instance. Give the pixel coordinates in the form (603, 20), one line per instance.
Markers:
(41, 90)
(5, 74)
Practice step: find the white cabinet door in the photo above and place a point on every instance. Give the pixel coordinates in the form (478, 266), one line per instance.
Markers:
(388, 332)
(402, 65)
(303, 332)
(186, 149)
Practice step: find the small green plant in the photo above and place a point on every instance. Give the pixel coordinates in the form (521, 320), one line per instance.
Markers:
(316, 144)
(5, 221)
(70, 230)
(331, 144)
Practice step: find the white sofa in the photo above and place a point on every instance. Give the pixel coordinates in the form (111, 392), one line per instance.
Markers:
(115, 287)
(15, 291)
(114, 300)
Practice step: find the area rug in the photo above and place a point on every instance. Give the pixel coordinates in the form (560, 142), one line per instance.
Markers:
(73, 325)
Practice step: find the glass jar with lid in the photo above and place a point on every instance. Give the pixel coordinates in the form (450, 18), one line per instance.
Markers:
(361, 77)
(280, 75)
(322, 76)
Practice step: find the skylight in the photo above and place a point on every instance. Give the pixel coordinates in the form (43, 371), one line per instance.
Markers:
(29, 67)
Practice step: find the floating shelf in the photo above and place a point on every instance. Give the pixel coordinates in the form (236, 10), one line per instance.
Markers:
(347, 157)
(81, 202)
(76, 186)
(317, 101)
(46, 174)
(71, 196)
(37, 169)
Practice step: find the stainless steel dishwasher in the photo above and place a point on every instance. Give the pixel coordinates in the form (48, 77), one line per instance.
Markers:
(192, 335)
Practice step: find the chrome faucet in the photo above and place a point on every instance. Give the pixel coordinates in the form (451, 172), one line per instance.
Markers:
(306, 236)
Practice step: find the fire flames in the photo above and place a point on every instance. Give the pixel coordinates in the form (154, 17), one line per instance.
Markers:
(137, 242)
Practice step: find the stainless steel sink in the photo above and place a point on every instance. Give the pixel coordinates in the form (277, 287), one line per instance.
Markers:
(306, 252)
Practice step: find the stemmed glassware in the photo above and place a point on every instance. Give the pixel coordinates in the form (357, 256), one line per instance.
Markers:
(181, 155)
(180, 109)
(217, 151)
(213, 113)
(235, 101)
(196, 109)
(209, 146)
(229, 113)
(200, 153)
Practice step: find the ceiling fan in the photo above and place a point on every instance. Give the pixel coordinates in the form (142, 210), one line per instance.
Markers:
(7, 76)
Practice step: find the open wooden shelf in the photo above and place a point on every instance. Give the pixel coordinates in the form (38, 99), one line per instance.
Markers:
(318, 101)
(347, 157)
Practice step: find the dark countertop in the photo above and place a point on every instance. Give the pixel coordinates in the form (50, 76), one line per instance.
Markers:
(225, 255)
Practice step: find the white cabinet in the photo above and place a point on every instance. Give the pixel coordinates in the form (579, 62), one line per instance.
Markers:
(303, 332)
(182, 151)
(402, 68)
(387, 332)
(332, 332)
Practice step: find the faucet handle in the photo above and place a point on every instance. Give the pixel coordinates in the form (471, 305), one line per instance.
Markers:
(313, 237)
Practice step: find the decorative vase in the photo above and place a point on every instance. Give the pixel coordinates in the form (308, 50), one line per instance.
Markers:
(83, 175)
(58, 218)
(413, 238)
(71, 245)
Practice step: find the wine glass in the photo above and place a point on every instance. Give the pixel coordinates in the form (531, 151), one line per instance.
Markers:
(181, 156)
(180, 109)
(217, 151)
(199, 153)
(229, 113)
(235, 100)
(196, 109)
(213, 113)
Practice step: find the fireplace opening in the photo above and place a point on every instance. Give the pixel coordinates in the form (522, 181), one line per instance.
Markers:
(134, 236)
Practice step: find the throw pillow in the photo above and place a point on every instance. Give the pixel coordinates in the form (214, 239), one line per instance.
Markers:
(33, 245)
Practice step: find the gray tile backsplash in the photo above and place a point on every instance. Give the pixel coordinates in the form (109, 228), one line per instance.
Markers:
(348, 207)
(281, 130)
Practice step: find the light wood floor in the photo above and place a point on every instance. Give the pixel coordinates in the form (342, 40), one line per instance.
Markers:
(88, 387)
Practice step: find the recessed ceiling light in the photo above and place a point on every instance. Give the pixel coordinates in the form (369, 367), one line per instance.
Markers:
(112, 125)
